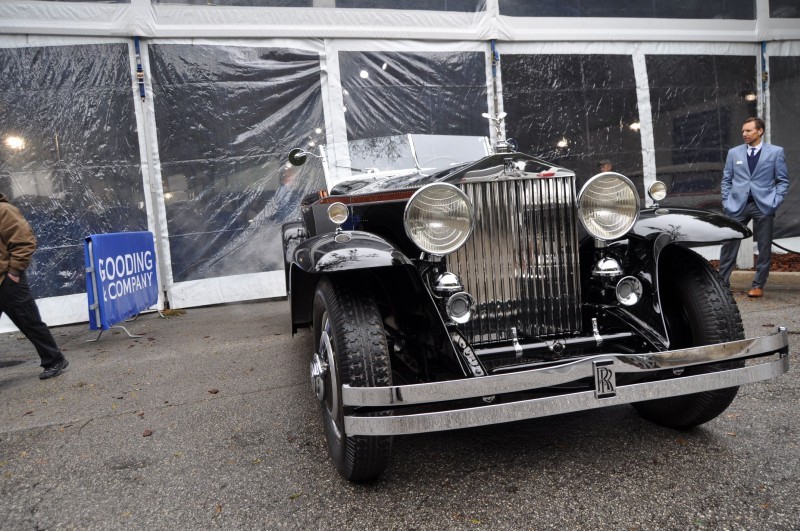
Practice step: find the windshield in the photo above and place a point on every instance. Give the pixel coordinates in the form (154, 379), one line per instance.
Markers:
(399, 155)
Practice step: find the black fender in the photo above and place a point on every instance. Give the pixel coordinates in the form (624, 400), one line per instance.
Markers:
(346, 251)
(656, 230)
(332, 253)
(662, 227)
(688, 226)
(370, 260)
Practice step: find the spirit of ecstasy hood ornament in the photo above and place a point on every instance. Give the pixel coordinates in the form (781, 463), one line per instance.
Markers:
(501, 145)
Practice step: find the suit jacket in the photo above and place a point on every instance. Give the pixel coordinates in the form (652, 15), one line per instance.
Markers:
(768, 184)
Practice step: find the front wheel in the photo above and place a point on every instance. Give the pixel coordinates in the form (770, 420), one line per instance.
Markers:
(350, 348)
(699, 310)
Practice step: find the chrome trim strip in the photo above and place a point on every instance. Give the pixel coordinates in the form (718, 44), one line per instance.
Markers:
(556, 405)
(427, 393)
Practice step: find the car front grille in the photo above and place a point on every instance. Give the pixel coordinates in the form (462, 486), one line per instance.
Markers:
(521, 261)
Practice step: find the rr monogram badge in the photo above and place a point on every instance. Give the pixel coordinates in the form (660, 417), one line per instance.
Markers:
(605, 379)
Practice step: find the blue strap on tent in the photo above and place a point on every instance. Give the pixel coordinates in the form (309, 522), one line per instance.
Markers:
(139, 70)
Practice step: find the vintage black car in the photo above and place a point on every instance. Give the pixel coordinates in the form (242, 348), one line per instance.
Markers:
(451, 285)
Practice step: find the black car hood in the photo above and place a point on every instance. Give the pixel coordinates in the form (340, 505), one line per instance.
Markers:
(365, 186)
(416, 180)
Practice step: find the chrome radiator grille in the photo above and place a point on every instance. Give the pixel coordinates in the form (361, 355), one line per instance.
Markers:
(521, 262)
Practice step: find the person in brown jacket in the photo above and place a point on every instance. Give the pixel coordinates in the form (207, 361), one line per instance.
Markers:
(17, 244)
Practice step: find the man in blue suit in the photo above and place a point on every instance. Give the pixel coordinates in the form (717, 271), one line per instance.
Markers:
(754, 182)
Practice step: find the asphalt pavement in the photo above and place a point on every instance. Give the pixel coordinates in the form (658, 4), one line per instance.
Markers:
(208, 420)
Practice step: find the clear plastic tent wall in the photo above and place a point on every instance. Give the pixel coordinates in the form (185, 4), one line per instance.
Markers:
(230, 86)
(226, 117)
(70, 155)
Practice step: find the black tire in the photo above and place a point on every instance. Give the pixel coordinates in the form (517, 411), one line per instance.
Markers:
(699, 310)
(347, 318)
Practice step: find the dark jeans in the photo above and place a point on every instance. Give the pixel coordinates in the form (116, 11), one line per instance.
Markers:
(16, 302)
(762, 233)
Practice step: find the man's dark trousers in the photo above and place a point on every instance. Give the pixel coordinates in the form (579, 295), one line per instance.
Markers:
(16, 302)
(762, 233)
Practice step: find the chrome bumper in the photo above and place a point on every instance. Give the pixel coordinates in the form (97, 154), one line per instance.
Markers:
(430, 393)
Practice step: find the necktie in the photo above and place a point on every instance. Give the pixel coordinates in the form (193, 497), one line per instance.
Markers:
(751, 159)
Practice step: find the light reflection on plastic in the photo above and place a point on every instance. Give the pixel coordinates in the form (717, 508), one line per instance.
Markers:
(15, 142)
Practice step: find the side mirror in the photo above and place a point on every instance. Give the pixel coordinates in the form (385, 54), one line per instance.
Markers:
(297, 157)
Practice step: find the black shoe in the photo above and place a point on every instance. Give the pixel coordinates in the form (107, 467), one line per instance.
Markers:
(54, 369)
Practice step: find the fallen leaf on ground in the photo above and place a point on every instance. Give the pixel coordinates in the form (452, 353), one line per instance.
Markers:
(147, 433)
(213, 391)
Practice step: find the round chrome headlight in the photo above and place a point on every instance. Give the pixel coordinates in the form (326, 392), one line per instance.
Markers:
(657, 191)
(439, 218)
(608, 205)
(338, 213)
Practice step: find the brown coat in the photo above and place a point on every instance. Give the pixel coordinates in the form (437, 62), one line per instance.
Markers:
(17, 242)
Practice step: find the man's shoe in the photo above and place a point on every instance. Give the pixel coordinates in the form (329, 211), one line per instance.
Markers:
(755, 293)
(54, 369)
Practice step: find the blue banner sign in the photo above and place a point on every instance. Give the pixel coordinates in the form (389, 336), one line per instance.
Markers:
(120, 276)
